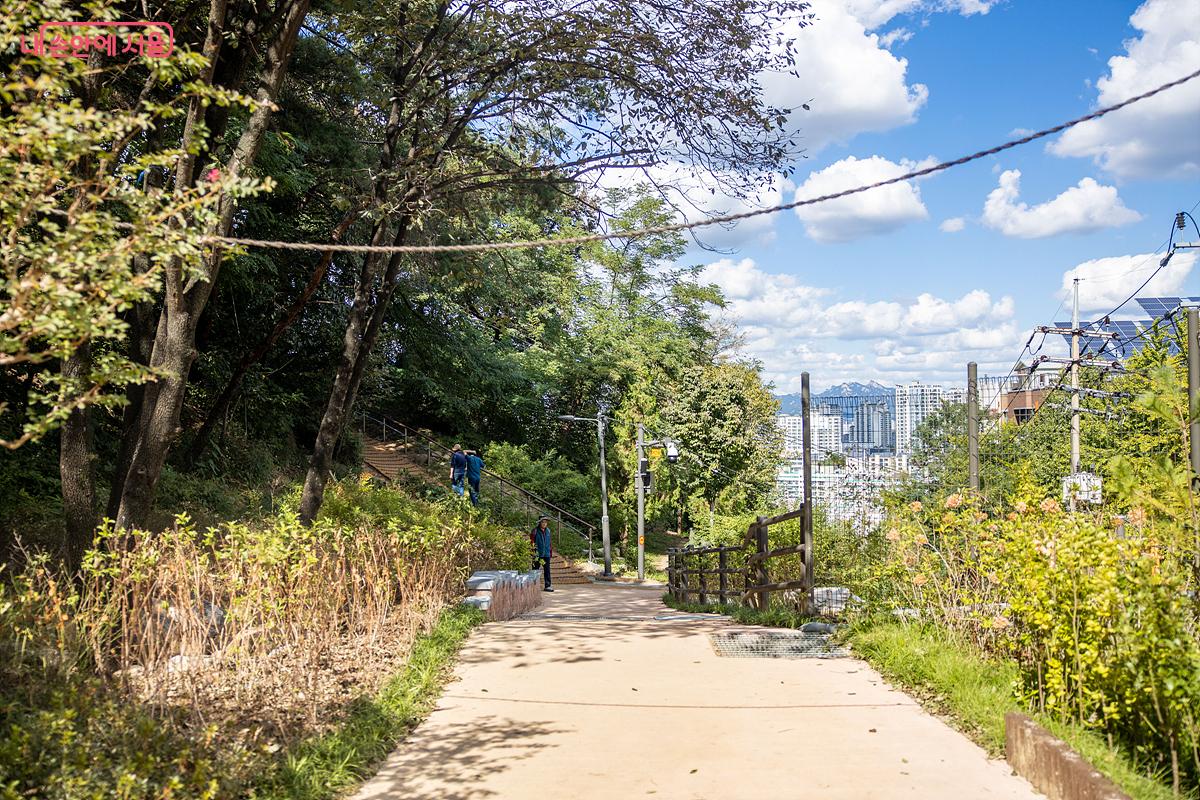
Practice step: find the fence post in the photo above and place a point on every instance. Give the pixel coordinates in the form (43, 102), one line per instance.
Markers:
(405, 436)
(806, 519)
(764, 596)
(703, 578)
(686, 587)
(428, 454)
(723, 564)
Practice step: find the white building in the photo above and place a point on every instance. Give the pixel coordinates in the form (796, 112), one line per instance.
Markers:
(792, 428)
(826, 435)
(871, 431)
(914, 403)
(849, 492)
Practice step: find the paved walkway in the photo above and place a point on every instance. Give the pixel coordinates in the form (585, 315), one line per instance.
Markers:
(565, 705)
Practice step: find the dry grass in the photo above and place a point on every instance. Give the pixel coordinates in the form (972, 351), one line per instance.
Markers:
(253, 637)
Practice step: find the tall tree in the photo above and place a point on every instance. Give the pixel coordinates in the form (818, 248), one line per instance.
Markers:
(487, 93)
(724, 418)
(234, 32)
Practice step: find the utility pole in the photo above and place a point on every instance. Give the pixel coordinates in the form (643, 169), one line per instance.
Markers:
(1075, 387)
(604, 537)
(599, 420)
(806, 526)
(973, 426)
(1074, 363)
(641, 504)
(1075, 384)
(1193, 356)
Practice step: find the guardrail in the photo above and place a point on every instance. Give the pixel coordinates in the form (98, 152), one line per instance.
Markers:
(386, 427)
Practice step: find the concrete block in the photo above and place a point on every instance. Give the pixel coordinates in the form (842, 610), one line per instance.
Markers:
(1051, 765)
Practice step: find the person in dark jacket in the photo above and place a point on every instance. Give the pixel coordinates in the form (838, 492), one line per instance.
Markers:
(458, 469)
(542, 549)
(474, 474)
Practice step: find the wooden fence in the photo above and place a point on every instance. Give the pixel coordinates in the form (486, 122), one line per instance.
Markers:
(743, 573)
(692, 571)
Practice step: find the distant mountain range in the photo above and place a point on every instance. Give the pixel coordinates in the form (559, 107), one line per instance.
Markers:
(790, 403)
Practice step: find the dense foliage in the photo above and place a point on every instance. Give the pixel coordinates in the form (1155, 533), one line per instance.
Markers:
(1097, 609)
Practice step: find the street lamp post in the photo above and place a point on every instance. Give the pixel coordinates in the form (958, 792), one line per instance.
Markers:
(642, 484)
(599, 420)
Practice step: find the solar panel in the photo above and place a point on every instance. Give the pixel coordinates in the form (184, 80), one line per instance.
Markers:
(1161, 306)
(1130, 340)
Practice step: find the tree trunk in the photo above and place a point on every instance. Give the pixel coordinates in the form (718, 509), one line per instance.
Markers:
(234, 384)
(362, 328)
(141, 343)
(186, 296)
(75, 466)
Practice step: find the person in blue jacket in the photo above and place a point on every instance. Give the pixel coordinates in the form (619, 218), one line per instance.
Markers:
(458, 469)
(474, 474)
(542, 549)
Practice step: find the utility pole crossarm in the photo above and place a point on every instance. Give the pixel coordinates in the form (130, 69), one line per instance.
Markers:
(1081, 410)
(1083, 362)
(1096, 392)
(1079, 332)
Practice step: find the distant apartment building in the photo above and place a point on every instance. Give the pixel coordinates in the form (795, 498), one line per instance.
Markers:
(849, 492)
(826, 434)
(871, 431)
(915, 402)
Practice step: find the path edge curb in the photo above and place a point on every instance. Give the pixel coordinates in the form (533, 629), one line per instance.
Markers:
(1051, 765)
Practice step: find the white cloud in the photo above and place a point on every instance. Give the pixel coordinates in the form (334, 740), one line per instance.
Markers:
(1105, 282)
(895, 35)
(1157, 137)
(792, 327)
(952, 225)
(698, 194)
(848, 78)
(1087, 206)
(875, 13)
(867, 213)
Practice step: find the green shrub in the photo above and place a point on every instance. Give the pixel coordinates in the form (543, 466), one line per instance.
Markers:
(1099, 623)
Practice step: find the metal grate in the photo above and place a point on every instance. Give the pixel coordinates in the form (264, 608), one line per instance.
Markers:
(776, 644)
(627, 618)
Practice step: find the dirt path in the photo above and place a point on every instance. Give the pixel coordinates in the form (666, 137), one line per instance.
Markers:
(637, 704)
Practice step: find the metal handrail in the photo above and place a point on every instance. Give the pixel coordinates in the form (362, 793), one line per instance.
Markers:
(560, 513)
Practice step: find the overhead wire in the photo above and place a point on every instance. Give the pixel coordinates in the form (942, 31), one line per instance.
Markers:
(716, 220)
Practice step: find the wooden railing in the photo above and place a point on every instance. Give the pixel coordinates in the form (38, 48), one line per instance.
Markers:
(386, 429)
(758, 574)
(742, 573)
(693, 565)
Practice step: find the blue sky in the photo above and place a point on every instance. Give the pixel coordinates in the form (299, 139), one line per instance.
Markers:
(881, 286)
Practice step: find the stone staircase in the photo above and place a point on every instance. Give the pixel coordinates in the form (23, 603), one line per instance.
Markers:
(406, 462)
(564, 573)
(393, 461)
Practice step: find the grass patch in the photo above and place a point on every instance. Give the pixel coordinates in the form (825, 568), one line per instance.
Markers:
(324, 766)
(773, 618)
(975, 693)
